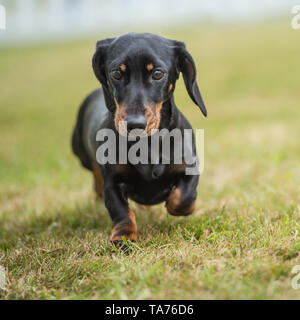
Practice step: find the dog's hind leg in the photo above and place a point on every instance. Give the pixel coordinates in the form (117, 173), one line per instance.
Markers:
(98, 180)
(182, 200)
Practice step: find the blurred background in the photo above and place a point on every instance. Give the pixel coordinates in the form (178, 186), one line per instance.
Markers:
(247, 57)
(41, 20)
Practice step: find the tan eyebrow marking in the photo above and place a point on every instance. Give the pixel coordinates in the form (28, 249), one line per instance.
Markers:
(150, 66)
(123, 67)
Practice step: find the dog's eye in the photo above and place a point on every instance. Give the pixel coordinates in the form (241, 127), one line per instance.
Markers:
(116, 74)
(157, 74)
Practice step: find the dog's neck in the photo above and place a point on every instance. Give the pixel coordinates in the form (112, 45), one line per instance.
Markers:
(169, 114)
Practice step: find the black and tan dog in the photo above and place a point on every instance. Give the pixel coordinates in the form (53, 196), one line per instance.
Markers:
(138, 74)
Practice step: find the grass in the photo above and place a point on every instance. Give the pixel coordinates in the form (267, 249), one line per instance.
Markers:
(243, 239)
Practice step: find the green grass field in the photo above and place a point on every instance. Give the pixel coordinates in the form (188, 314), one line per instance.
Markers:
(241, 242)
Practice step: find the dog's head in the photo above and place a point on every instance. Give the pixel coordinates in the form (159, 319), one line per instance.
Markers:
(138, 74)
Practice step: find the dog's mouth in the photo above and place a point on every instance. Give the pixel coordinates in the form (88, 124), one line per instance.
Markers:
(152, 115)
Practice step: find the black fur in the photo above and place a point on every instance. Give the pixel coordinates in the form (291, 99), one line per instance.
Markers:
(136, 71)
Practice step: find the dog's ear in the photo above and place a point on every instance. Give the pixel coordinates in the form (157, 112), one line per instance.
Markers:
(99, 59)
(186, 65)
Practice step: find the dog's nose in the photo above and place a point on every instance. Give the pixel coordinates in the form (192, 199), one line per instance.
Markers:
(136, 122)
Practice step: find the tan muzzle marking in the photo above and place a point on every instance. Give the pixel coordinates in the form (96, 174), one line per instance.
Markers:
(152, 113)
(120, 116)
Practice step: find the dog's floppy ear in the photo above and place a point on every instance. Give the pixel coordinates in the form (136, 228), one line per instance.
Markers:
(186, 65)
(99, 59)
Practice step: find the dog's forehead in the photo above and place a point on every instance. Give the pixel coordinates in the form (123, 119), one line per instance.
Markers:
(137, 47)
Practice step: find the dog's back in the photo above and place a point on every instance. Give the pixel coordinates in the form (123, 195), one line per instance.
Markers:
(91, 115)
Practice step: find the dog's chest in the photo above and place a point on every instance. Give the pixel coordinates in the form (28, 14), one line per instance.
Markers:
(149, 184)
(148, 193)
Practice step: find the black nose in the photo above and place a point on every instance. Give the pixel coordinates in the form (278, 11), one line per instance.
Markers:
(136, 122)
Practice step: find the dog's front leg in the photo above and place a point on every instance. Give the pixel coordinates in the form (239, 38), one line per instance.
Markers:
(123, 218)
(182, 200)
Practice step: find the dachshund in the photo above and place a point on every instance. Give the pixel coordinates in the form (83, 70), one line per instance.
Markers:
(137, 73)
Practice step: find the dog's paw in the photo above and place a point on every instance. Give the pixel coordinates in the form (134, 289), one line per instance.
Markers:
(121, 245)
(125, 228)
